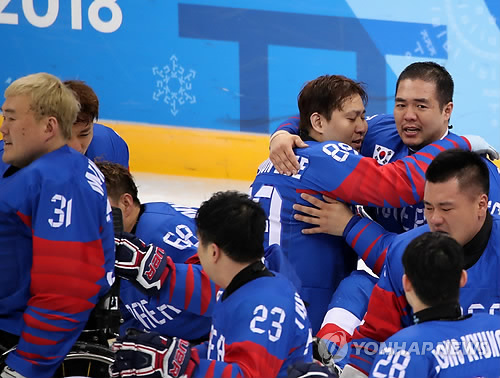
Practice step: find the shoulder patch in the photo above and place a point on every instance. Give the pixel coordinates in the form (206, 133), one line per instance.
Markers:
(382, 154)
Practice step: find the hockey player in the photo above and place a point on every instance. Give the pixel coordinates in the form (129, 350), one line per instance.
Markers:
(55, 227)
(332, 117)
(259, 323)
(422, 111)
(443, 342)
(169, 227)
(94, 140)
(424, 93)
(456, 203)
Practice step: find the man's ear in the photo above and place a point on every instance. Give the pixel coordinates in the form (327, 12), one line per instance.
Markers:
(463, 278)
(448, 108)
(407, 286)
(316, 122)
(483, 204)
(51, 127)
(215, 252)
(127, 202)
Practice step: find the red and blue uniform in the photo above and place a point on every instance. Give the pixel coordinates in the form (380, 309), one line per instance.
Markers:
(336, 170)
(388, 310)
(173, 229)
(259, 323)
(468, 347)
(57, 256)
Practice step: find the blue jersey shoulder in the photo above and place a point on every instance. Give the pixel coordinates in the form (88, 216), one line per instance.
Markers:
(107, 145)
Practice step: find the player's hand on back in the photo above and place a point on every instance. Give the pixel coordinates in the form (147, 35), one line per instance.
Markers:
(329, 216)
(281, 152)
(146, 266)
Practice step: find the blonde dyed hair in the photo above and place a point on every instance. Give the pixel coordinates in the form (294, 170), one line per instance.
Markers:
(49, 98)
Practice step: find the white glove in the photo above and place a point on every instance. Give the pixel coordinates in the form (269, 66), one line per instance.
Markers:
(350, 372)
(9, 373)
(481, 146)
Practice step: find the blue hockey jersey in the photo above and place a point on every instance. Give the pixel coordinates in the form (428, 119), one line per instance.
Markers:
(388, 310)
(107, 145)
(443, 348)
(257, 331)
(57, 256)
(371, 241)
(336, 170)
(173, 229)
(383, 143)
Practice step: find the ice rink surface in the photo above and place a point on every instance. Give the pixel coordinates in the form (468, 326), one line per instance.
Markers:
(181, 190)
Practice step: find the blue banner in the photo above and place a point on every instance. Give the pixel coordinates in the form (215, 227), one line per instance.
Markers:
(239, 65)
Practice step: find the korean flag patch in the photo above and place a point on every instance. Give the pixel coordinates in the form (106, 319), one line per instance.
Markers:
(382, 154)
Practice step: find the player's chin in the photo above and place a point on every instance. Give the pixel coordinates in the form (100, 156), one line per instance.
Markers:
(356, 144)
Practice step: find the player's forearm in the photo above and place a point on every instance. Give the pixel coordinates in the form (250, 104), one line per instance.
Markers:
(291, 126)
(369, 240)
(188, 287)
(397, 184)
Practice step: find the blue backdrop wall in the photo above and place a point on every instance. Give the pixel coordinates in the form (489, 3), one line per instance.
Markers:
(239, 64)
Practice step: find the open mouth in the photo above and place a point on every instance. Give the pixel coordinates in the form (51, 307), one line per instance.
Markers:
(411, 130)
(357, 144)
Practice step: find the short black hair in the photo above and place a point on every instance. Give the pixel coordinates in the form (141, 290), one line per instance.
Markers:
(324, 95)
(235, 223)
(433, 73)
(467, 167)
(433, 263)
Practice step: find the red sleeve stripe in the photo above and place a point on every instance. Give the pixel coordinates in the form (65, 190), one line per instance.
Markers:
(189, 286)
(426, 155)
(379, 264)
(442, 148)
(54, 316)
(37, 340)
(466, 141)
(91, 252)
(227, 372)
(210, 370)
(173, 275)
(34, 356)
(283, 125)
(206, 292)
(32, 322)
(25, 219)
(65, 275)
(355, 240)
(353, 355)
(311, 192)
(369, 249)
(455, 144)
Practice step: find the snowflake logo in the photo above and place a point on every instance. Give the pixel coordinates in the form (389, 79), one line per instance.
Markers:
(173, 85)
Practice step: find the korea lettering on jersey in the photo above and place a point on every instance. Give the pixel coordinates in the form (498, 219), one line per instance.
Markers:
(258, 330)
(172, 228)
(460, 348)
(480, 294)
